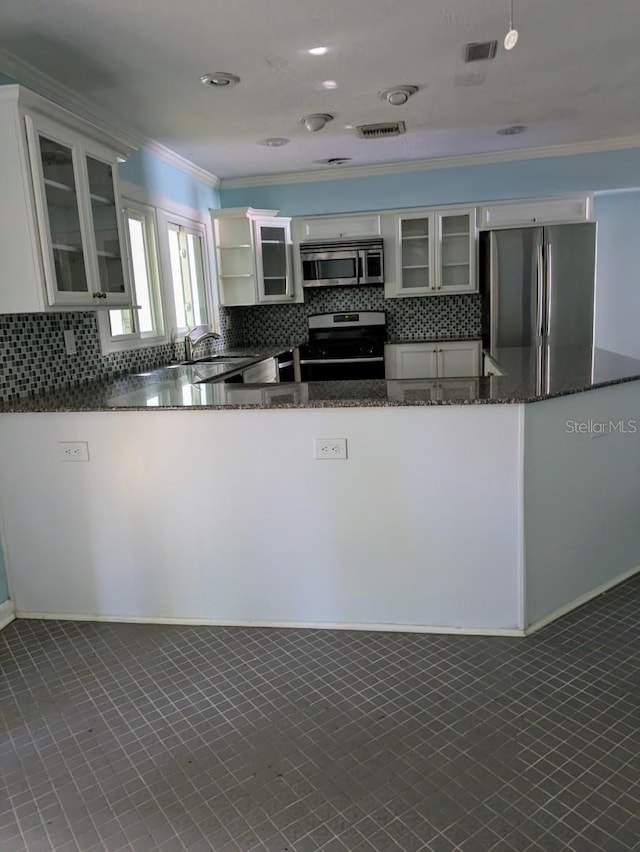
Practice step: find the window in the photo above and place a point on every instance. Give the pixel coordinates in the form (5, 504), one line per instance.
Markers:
(188, 278)
(168, 251)
(144, 323)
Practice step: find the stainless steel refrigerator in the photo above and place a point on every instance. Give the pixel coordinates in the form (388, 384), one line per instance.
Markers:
(539, 293)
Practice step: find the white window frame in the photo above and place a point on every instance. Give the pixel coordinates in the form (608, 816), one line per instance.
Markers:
(166, 210)
(198, 224)
(138, 340)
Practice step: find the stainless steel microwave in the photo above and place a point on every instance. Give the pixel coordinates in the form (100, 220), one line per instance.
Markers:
(342, 264)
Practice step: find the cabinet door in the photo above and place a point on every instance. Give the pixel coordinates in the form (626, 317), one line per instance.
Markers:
(106, 228)
(58, 177)
(261, 373)
(273, 260)
(414, 254)
(338, 227)
(411, 361)
(549, 211)
(455, 252)
(458, 360)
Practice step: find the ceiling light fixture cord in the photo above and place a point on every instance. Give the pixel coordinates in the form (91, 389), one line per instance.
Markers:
(511, 38)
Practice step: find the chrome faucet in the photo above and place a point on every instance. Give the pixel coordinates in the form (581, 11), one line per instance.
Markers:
(190, 342)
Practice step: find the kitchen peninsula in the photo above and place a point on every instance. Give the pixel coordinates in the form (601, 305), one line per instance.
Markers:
(473, 517)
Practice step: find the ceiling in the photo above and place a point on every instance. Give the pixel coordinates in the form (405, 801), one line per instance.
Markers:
(573, 77)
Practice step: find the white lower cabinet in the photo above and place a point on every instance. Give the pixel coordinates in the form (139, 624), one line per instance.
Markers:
(411, 361)
(451, 359)
(262, 373)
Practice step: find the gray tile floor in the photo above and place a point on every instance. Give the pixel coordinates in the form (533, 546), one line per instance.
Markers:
(137, 737)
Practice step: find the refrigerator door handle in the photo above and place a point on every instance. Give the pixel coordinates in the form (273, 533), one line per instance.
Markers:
(493, 291)
(540, 295)
(550, 285)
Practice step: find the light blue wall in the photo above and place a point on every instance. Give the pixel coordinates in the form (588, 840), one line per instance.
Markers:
(4, 590)
(609, 170)
(162, 179)
(618, 273)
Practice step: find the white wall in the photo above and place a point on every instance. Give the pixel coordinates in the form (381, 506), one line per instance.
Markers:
(226, 516)
(581, 496)
(618, 273)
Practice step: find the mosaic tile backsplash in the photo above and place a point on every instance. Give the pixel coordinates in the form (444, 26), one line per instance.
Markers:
(33, 357)
(422, 318)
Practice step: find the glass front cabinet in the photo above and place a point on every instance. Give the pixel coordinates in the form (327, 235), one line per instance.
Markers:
(436, 252)
(253, 250)
(79, 217)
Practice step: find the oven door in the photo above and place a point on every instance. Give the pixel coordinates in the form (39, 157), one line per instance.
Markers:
(340, 369)
(330, 268)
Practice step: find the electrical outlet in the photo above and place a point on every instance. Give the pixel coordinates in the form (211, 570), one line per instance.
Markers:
(73, 451)
(69, 341)
(331, 448)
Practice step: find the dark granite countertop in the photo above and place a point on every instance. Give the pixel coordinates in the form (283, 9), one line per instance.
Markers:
(523, 379)
(457, 339)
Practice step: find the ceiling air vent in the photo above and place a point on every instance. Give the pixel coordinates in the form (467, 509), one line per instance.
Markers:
(478, 51)
(381, 131)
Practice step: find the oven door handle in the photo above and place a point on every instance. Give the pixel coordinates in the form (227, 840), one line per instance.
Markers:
(372, 360)
(360, 267)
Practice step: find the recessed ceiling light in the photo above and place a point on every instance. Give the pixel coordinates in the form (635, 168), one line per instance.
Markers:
(274, 141)
(329, 84)
(348, 126)
(318, 51)
(514, 130)
(220, 79)
(399, 95)
(316, 121)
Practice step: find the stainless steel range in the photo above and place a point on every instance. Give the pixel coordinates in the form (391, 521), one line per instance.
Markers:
(346, 345)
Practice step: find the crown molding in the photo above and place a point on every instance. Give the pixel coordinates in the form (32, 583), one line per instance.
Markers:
(25, 74)
(346, 172)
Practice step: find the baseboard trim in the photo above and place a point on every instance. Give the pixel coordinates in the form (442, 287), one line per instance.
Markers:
(7, 613)
(297, 625)
(583, 599)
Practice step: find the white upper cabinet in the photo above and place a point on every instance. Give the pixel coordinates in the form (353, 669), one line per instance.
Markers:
(339, 227)
(62, 237)
(455, 267)
(253, 249)
(435, 253)
(273, 259)
(549, 211)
